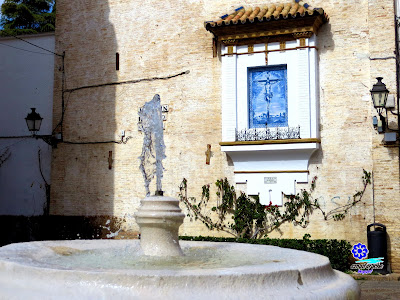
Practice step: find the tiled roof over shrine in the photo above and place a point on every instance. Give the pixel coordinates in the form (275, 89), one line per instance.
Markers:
(284, 20)
(244, 15)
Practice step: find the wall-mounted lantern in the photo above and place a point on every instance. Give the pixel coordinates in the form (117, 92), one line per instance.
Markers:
(33, 121)
(379, 95)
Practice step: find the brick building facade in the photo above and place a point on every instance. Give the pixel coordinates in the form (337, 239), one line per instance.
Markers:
(164, 48)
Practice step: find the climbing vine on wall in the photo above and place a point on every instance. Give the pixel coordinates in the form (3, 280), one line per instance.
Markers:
(244, 216)
(4, 155)
(46, 205)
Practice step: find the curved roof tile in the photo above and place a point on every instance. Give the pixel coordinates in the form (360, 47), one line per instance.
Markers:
(267, 13)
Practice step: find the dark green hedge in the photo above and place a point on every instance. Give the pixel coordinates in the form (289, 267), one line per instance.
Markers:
(337, 251)
(17, 229)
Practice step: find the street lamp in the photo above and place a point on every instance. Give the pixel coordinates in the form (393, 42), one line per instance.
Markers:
(379, 95)
(33, 121)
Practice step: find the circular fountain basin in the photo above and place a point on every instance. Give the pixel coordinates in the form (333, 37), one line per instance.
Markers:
(105, 269)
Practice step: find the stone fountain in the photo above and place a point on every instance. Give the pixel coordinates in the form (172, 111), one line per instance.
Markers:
(158, 266)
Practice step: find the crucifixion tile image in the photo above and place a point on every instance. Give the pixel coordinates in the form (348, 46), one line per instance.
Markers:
(268, 105)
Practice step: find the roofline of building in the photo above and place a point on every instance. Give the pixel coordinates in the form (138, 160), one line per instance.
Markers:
(26, 36)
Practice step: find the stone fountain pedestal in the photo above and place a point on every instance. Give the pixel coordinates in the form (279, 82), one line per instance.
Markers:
(159, 218)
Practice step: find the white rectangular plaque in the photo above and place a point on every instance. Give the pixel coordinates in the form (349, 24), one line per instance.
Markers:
(270, 180)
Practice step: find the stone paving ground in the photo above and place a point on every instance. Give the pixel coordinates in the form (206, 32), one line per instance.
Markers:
(376, 290)
(377, 287)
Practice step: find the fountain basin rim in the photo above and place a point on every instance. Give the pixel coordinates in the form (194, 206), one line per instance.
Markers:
(310, 275)
(38, 250)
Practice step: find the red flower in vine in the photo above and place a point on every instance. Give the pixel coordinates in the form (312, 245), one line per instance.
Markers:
(268, 207)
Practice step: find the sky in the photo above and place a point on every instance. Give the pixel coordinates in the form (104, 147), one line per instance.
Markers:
(1, 2)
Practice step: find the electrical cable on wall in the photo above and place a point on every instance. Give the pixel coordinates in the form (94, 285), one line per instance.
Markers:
(126, 82)
(5, 155)
(64, 103)
(122, 141)
(61, 55)
(25, 49)
(22, 138)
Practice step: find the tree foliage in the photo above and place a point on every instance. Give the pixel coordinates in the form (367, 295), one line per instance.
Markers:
(27, 16)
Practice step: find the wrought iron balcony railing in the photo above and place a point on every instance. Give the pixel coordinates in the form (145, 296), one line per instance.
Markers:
(262, 134)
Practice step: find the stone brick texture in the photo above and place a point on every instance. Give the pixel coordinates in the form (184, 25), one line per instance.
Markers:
(165, 38)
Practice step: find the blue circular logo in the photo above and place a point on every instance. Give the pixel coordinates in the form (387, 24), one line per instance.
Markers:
(359, 251)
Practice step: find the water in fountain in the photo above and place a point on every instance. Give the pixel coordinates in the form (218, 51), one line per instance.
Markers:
(158, 217)
(153, 143)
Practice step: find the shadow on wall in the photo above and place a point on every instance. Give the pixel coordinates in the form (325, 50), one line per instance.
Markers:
(26, 78)
(325, 39)
(325, 43)
(82, 166)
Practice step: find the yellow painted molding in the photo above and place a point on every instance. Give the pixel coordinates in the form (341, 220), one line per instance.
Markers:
(250, 48)
(268, 51)
(285, 171)
(234, 37)
(269, 142)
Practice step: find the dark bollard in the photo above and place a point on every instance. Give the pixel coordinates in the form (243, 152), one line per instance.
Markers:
(377, 244)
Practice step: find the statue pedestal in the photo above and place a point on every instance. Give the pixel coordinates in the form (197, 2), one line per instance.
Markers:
(159, 219)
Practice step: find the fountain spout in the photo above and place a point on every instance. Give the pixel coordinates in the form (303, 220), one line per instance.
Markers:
(153, 150)
(158, 217)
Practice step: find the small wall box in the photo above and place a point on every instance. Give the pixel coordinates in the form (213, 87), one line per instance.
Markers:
(390, 137)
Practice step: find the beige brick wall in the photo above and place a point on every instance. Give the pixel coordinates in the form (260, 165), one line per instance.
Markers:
(160, 39)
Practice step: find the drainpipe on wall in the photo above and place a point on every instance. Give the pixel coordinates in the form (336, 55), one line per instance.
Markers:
(397, 54)
(373, 194)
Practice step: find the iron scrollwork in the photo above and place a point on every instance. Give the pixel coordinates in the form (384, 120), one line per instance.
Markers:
(262, 134)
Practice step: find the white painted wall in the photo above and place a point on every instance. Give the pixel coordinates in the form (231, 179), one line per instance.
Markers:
(397, 3)
(285, 163)
(229, 103)
(26, 80)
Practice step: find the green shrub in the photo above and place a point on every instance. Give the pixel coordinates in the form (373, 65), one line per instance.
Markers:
(338, 251)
